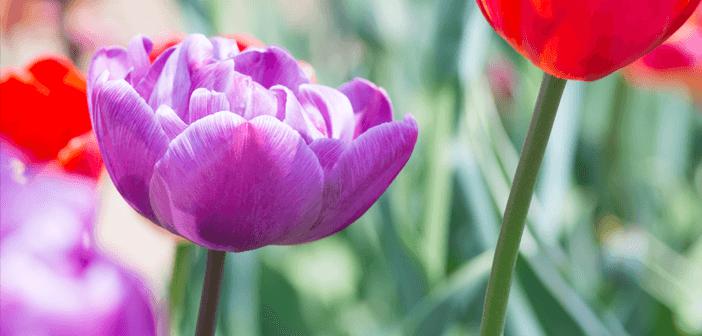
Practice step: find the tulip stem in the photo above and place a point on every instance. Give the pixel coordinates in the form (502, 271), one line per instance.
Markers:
(209, 299)
(507, 248)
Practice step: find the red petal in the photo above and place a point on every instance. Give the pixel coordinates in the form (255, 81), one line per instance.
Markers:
(163, 45)
(585, 39)
(44, 107)
(81, 156)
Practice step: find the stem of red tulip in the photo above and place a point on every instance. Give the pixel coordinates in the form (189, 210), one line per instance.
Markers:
(507, 248)
(209, 299)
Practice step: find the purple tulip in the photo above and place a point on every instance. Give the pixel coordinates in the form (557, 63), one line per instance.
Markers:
(53, 281)
(235, 151)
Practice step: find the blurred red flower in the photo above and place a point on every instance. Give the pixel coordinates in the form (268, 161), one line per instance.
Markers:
(585, 39)
(677, 62)
(44, 111)
(245, 41)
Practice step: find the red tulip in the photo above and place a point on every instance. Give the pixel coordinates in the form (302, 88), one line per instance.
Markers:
(44, 111)
(585, 39)
(678, 61)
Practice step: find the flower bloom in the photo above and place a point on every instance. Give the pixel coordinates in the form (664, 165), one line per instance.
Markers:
(237, 150)
(54, 282)
(44, 111)
(677, 61)
(243, 42)
(585, 39)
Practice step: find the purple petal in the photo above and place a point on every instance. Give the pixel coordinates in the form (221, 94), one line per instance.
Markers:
(333, 106)
(271, 66)
(328, 151)
(249, 99)
(51, 221)
(113, 60)
(371, 105)
(131, 141)
(223, 48)
(138, 54)
(173, 85)
(236, 185)
(216, 76)
(79, 296)
(13, 175)
(107, 63)
(204, 102)
(170, 122)
(246, 97)
(146, 86)
(291, 112)
(361, 173)
(53, 280)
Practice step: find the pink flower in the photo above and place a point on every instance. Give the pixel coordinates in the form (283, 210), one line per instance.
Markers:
(677, 62)
(54, 281)
(238, 150)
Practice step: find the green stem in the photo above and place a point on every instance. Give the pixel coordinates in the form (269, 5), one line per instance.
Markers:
(209, 300)
(507, 248)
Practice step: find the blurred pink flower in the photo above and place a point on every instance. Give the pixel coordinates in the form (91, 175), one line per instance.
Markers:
(677, 62)
(54, 281)
(502, 79)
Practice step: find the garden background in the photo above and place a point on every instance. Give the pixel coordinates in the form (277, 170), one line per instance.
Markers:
(614, 238)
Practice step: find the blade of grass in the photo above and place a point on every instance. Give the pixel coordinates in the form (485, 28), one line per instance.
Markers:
(668, 276)
(464, 284)
(405, 267)
(438, 189)
(521, 318)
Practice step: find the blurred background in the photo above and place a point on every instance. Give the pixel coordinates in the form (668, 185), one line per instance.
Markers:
(614, 238)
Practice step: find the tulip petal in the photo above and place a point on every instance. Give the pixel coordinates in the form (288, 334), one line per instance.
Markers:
(271, 66)
(170, 122)
(291, 112)
(43, 107)
(236, 185)
(361, 173)
(333, 106)
(138, 54)
(131, 141)
(249, 99)
(585, 40)
(204, 102)
(114, 60)
(328, 151)
(107, 63)
(216, 76)
(371, 105)
(146, 86)
(223, 48)
(173, 85)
